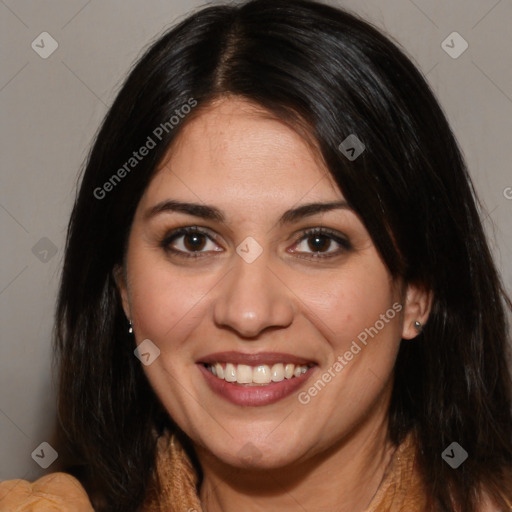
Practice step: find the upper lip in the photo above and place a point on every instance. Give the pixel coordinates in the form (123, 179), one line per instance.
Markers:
(254, 359)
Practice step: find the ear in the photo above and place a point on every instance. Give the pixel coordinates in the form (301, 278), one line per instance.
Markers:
(417, 305)
(120, 279)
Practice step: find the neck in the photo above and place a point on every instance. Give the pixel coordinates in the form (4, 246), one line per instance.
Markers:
(355, 465)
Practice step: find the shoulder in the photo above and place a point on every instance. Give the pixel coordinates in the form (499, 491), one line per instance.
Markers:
(61, 491)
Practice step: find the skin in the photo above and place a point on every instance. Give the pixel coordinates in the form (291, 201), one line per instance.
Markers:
(236, 157)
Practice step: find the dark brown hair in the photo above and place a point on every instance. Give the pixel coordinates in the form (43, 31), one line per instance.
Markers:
(300, 60)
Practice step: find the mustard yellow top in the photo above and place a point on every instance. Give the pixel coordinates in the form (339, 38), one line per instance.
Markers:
(401, 489)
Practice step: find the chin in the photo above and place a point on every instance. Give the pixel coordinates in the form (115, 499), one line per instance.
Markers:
(249, 455)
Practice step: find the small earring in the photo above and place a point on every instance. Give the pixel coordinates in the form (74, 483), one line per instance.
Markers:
(417, 326)
(130, 329)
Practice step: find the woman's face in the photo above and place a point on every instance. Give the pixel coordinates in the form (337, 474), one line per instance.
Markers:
(254, 292)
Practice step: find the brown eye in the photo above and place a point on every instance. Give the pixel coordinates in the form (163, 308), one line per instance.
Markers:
(318, 242)
(189, 242)
(194, 241)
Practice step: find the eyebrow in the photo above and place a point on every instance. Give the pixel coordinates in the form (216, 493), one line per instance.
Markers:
(213, 213)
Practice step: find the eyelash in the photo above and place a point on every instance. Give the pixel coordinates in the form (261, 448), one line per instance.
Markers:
(174, 235)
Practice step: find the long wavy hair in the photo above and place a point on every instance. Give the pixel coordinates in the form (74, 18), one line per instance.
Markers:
(324, 70)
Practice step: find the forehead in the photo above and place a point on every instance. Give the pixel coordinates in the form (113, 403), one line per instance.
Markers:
(235, 151)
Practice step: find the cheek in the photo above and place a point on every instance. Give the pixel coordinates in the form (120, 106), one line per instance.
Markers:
(353, 309)
(345, 302)
(166, 305)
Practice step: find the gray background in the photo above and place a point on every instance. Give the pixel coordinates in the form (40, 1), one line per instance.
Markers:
(51, 108)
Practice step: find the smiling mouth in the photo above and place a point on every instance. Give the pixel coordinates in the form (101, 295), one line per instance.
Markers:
(257, 375)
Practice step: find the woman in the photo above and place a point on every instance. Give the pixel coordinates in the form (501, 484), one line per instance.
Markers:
(277, 291)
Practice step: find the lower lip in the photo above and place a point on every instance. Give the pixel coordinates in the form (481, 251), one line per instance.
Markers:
(254, 395)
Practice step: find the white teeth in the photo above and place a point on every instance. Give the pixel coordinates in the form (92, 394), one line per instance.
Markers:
(243, 374)
(261, 374)
(230, 373)
(219, 371)
(277, 372)
(299, 371)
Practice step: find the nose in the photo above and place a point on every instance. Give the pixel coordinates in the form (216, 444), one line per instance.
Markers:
(252, 298)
